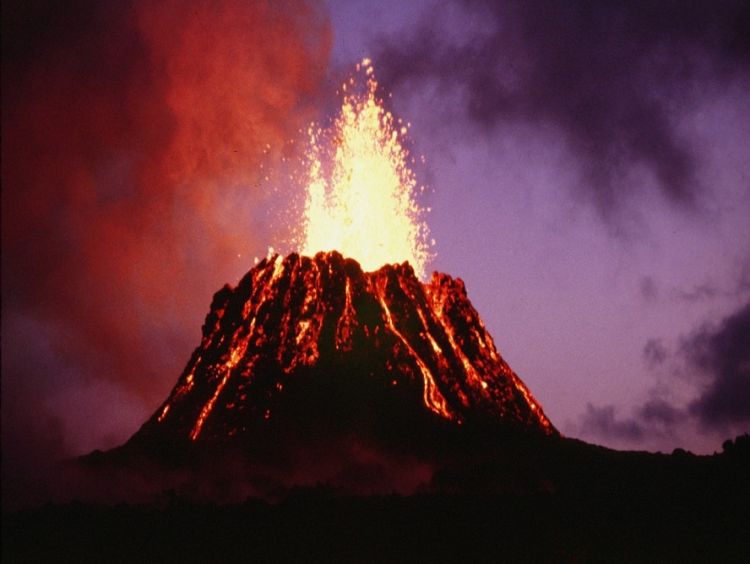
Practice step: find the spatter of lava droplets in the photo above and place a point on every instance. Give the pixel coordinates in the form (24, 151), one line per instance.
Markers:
(360, 193)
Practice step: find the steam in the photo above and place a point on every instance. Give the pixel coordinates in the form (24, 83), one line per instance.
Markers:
(133, 139)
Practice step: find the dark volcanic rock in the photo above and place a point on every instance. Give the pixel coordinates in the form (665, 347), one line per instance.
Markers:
(322, 322)
(312, 370)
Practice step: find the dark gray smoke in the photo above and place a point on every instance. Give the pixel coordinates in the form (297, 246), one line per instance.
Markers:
(609, 76)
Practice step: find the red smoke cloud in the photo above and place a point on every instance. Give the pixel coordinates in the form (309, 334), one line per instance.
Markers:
(133, 135)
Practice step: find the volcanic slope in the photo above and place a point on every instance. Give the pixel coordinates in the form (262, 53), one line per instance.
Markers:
(296, 324)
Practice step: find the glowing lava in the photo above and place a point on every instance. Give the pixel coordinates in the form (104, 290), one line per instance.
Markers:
(360, 199)
(292, 317)
(365, 316)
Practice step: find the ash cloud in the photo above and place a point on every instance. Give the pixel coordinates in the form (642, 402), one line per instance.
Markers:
(660, 412)
(607, 75)
(133, 134)
(649, 289)
(721, 355)
(602, 422)
(655, 419)
(654, 352)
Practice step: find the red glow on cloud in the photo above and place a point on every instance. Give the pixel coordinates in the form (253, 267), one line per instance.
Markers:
(130, 134)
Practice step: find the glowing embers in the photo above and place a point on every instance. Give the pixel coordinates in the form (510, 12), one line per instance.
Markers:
(360, 190)
(486, 372)
(189, 382)
(438, 305)
(208, 407)
(235, 355)
(324, 313)
(303, 331)
(308, 319)
(237, 349)
(433, 399)
(535, 408)
(346, 322)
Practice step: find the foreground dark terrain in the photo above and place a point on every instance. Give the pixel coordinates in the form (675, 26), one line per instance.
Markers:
(601, 506)
(334, 415)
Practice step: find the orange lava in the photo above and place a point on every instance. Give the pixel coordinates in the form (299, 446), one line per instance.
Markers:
(360, 197)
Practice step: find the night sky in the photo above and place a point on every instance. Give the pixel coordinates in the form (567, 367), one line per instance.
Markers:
(587, 165)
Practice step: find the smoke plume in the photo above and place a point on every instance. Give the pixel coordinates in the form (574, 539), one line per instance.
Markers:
(134, 135)
(609, 77)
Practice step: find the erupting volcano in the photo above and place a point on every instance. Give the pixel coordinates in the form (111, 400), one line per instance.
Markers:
(326, 348)
(291, 318)
(360, 188)
(343, 402)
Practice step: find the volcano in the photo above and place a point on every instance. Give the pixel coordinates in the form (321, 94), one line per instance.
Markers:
(295, 322)
(315, 355)
(320, 362)
(331, 414)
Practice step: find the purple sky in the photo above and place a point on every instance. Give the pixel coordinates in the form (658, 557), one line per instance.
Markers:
(599, 215)
(587, 165)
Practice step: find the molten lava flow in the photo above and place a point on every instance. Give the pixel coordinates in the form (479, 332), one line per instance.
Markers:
(292, 317)
(360, 200)
(346, 321)
(432, 397)
(238, 351)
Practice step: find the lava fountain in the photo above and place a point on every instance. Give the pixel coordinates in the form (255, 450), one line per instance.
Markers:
(360, 196)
